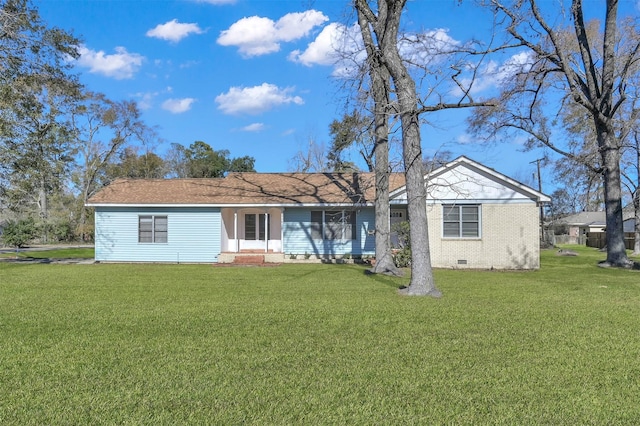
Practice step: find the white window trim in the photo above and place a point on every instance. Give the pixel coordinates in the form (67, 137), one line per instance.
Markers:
(262, 226)
(354, 229)
(460, 237)
(153, 228)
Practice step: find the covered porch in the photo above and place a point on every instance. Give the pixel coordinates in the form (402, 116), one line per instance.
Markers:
(251, 235)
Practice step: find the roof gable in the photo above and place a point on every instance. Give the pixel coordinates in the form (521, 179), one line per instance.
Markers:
(464, 179)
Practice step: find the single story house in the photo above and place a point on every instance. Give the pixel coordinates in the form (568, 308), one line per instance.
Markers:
(579, 224)
(478, 218)
(629, 225)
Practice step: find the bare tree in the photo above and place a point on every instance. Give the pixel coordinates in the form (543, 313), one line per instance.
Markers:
(311, 159)
(422, 52)
(103, 128)
(380, 81)
(385, 26)
(574, 64)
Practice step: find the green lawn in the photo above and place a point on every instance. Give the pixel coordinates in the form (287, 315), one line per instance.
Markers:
(59, 253)
(318, 344)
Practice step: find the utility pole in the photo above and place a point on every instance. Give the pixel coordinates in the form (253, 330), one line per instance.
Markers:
(537, 161)
(539, 177)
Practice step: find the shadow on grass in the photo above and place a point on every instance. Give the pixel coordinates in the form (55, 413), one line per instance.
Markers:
(633, 265)
(387, 280)
(43, 260)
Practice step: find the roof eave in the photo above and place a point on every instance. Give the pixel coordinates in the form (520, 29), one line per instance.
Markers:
(228, 205)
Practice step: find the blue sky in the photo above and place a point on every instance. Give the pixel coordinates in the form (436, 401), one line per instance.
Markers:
(254, 77)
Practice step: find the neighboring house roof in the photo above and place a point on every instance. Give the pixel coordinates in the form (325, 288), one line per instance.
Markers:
(585, 219)
(246, 189)
(595, 219)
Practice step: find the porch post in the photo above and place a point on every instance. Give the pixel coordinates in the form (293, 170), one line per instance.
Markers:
(266, 230)
(282, 229)
(235, 229)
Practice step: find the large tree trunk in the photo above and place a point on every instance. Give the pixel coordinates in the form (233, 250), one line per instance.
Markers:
(616, 250)
(380, 92)
(422, 282)
(636, 227)
(603, 111)
(384, 260)
(44, 208)
(636, 205)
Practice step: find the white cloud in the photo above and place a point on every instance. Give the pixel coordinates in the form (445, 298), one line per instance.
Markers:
(254, 127)
(493, 75)
(174, 31)
(427, 47)
(120, 65)
(464, 139)
(293, 26)
(255, 100)
(145, 100)
(178, 106)
(255, 36)
(336, 45)
(189, 64)
(342, 47)
(324, 49)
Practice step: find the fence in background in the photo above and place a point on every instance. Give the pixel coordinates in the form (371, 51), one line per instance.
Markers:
(599, 240)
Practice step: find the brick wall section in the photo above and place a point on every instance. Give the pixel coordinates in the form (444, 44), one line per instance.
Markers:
(509, 239)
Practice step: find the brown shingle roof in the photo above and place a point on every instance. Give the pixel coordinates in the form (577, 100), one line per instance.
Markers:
(247, 188)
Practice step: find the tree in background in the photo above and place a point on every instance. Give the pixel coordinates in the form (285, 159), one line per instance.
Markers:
(36, 91)
(133, 166)
(17, 233)
(204, 162)
(580, 185)
(438, 159)
(176, 161)
(312, 159)
(201, 161)
(242, 164)
(353, 130)
(102, 128)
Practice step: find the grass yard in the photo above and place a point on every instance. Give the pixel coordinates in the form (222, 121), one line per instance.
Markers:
(59, 253)
(318, 344)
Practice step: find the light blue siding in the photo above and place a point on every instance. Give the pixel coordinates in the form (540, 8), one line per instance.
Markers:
(194, 235)
(297, 235)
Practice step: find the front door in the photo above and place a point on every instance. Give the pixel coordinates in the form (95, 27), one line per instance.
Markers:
(397, 216)
(256, 231)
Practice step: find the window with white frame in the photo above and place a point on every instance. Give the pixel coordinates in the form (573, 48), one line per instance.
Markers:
(333, 225)
(461, 221)
(256, 226)
(152, 229)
